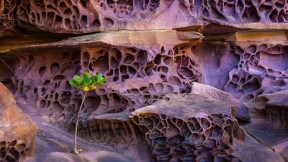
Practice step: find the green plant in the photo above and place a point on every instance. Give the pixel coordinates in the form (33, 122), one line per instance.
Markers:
(84, 83)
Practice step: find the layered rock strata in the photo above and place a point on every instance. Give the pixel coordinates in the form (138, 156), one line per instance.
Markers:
(85, 16)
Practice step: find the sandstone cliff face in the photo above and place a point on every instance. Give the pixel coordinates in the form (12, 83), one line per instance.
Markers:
(179, 73)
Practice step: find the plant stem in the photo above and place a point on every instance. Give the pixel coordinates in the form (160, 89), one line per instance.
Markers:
(77, 122)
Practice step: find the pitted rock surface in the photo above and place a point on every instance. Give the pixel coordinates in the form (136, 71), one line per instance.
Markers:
(136, 76)
(7, 14)
(17, 131)
(254, 68)
(185, 127)
(189, 127)
(196, 128)
(157, 103)
(70, 16)
(86, 16)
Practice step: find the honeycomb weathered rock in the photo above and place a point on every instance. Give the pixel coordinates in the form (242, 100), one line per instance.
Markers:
(189, 127)
(85, 16)
(254, 68)
(7, 16)
(180, 127)
(70, 16)
(17, 131)
(243, 12)
(124, 68)
(114, 130)
(136, 76)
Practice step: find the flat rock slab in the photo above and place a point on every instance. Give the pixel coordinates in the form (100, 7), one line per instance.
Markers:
(185, 106)
(149, 39)
(216, 94)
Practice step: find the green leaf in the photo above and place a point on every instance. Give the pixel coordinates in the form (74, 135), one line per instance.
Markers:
(85, 77)
(94, 78)
(73, 83)
(90, 81)
(77, 79)
(99, 77)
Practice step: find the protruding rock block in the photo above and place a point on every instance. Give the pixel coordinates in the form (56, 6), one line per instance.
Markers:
(214, 93)
(189, 127)
(17, 131)
(196, 128)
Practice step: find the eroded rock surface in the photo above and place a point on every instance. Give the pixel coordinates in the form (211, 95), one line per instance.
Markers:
(273, 106)
(163, 56)
(269, 121)
(189, 127)
(253, 68)
(142, 67)
(214, 93)
(252, 14)
(136, 74)
(196, 128)
(17, 131)
(85, 16)
(101, 15)
(7, 14)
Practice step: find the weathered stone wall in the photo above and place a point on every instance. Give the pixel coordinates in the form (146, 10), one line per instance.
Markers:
(83, 16)
(243, 52)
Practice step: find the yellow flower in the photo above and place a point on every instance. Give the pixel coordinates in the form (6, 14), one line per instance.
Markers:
(92, 87)
(85, 89)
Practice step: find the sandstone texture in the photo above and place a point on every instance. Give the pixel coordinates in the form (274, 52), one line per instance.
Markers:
(187, 80)
(86, 16)
(189, 127)
(270, 125)
(214, 93)
(17, 131)
(136, 74)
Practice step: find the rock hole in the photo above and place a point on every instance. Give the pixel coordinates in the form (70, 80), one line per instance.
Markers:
(157, 60)
(42, 71)
(107, 22)
(67, 12)
(96, 23)
(129, 58)
(58, 78)
(54, 68)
